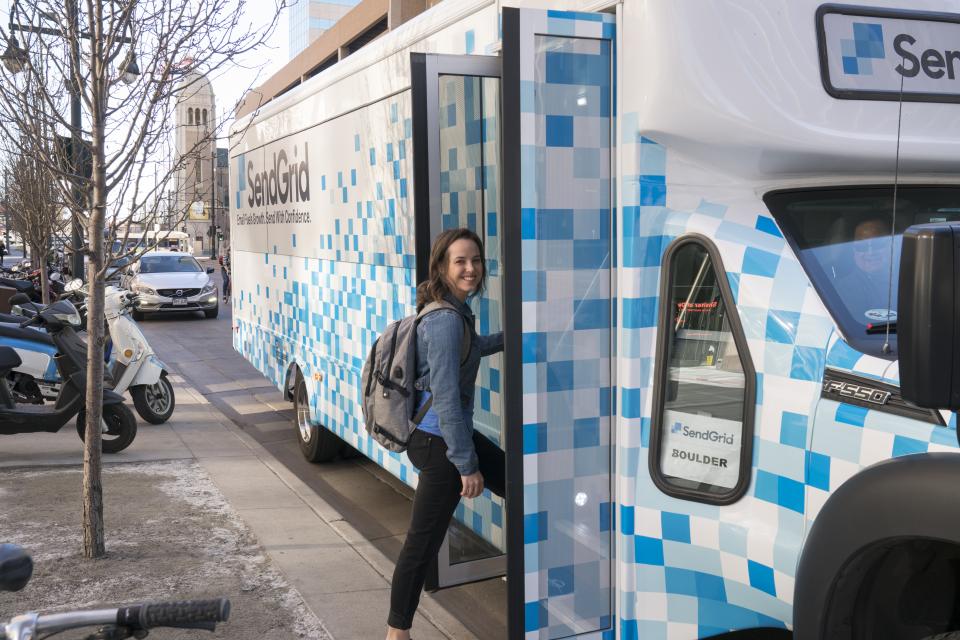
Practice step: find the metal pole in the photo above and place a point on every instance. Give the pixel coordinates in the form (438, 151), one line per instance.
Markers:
(213, 200)
(6, 217)
(76, 269)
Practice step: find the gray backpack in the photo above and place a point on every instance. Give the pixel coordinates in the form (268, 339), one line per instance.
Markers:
(389, 377)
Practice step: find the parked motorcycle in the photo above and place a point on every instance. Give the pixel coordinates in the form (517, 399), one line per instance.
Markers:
(135, 366)
(132, 365)
(134, 621)
(60, 320)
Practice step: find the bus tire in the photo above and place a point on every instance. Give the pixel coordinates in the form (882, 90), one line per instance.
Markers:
(317, 443)
(950, 635)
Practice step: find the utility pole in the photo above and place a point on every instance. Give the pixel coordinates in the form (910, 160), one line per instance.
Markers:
(213, 198)
(6, 217)
(76, 162)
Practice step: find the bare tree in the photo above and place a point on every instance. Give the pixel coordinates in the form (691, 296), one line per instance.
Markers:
(36, 210)
(124, 62)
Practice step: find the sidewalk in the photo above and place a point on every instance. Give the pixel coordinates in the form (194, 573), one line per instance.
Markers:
(343, 579)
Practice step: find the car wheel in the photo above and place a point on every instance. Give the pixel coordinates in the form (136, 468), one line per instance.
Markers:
(121, 427)
(137, 315)
(317, 443)
(212, 313)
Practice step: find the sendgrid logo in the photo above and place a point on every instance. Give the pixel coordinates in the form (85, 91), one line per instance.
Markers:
(866, 46)
(710, 435)
(241, 179)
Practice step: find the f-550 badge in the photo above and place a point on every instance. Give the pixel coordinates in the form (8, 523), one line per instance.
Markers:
(856, 391)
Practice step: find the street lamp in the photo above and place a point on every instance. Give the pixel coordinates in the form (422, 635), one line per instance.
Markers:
(129, 69)
(16, 59)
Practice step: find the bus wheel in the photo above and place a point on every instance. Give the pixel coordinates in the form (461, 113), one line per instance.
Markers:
(317, 444)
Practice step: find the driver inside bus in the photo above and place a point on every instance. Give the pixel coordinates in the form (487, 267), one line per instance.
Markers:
(865, 288)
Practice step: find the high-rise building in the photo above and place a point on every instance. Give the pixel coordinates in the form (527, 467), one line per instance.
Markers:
(310, 18)
(195, 149)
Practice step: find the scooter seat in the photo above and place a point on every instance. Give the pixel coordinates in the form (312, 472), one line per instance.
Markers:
(11, 330)
(9, 359)
(19, 285)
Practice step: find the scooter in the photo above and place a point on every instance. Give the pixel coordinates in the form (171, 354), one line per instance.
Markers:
(60, 320)
(132, 365)
(135, 366)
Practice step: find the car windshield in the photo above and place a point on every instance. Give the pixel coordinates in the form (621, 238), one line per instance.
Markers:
(842, 238)
(169, 264)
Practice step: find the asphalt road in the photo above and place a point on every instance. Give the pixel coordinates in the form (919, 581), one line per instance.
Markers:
(370, 499)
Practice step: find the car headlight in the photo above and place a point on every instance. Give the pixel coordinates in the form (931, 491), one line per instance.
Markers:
(208, 288)
(142, 288)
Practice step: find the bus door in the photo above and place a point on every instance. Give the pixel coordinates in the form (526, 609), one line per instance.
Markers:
(456, 124)
(558, 257)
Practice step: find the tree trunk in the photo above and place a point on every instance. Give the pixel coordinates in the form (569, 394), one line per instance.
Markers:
(94, 545)
(93, 530)
(44, 280)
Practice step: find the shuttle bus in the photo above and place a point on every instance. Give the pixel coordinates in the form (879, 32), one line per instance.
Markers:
(693, 215)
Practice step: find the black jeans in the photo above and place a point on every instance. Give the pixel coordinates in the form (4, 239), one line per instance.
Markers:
(437, 496)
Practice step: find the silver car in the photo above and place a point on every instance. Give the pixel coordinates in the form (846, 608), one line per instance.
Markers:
(171, 281)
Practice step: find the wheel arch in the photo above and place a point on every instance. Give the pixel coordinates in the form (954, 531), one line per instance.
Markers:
(290, 379)
(910, 498)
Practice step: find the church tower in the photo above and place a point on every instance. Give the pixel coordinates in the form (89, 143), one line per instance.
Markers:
(195, 149)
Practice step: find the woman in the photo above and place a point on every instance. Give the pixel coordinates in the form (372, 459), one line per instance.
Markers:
(453, 461)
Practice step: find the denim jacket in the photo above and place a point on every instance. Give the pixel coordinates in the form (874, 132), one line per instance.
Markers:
(439, 372)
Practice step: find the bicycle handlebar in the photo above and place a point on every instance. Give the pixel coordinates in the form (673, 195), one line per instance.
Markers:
(184, 614)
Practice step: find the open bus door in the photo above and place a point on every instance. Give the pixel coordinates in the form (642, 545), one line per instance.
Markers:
(456, 123)
(558, 288)
(519, 148)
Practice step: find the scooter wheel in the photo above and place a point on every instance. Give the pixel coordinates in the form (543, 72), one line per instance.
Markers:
(154, 402)
(121, 427)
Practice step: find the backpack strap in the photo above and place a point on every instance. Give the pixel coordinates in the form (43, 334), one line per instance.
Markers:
(465, 344)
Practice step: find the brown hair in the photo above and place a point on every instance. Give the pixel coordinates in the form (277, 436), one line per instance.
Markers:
(434, 288)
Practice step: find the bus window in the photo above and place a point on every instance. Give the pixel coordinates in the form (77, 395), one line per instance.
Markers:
(842, 239)
(703, 400)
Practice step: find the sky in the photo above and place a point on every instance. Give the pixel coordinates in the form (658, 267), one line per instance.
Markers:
(230, 83)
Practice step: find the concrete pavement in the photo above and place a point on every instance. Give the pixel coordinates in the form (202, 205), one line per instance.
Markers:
(342, 577)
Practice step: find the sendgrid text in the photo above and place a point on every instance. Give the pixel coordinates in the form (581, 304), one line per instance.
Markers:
(710, 436)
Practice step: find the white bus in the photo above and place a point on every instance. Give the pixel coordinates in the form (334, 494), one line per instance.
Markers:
(687, 209)
(156, 240)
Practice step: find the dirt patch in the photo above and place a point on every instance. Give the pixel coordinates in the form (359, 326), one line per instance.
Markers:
(170, 535)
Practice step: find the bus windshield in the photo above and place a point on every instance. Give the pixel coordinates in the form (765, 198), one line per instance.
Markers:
(842, 238)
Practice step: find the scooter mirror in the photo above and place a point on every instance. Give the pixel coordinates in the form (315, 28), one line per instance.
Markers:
(73, 285)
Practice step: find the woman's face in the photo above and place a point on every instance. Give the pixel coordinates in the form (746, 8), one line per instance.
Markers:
(464, 268)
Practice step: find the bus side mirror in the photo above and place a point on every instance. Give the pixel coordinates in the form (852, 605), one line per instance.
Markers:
(928, 318)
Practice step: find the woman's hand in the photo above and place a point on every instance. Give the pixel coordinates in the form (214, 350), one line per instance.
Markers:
(472, 485)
